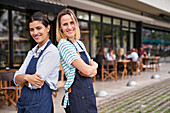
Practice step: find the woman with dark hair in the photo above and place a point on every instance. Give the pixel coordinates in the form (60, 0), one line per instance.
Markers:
(39, 73)
(100, 56)
(77, 64)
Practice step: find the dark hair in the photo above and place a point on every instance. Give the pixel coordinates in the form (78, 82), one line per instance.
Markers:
(101, 51)
(39, 16)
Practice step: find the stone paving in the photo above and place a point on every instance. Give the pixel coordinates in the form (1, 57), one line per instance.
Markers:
(154, 98)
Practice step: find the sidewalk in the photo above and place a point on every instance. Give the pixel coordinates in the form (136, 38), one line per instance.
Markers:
(111, 87)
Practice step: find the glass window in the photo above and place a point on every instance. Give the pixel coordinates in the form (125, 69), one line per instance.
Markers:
(132, 24)
(132, 38)
(82, 15)
(84, 29)
(116, 37)
(106, 20)
(107, 37)
(95, 38)
(21, 39)
(4, 38)
(125, 23)
(116, 21)
(125, 39)
(95, 17)
(132, 30)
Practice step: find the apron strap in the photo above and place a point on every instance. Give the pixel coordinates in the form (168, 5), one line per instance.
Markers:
(49, 42)
(74, 45)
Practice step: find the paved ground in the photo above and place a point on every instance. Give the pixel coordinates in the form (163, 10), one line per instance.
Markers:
(150, 95)
(154, 98)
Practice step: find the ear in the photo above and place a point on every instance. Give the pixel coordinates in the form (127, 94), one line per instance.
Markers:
(48, 27)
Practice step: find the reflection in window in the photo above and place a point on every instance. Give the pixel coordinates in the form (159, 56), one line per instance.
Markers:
(84, 29)
(95, 17)
(106, 20)
(116, 37)
(116, 21)
(4, 38)
(95, 38)
(125, 23)
(107, 37)
(156, 42)
(21, 37)
(132, 24)
(132, 36)
(125, 38)
(82, 15)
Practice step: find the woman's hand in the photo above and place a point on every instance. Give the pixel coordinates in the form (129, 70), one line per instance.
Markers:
(35, 80)
(86, 70)
(93, 63)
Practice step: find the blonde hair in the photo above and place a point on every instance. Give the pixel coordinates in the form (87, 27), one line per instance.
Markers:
(120, 52)
(59, 34)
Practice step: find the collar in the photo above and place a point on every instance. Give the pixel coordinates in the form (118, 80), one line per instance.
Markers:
(40, 49)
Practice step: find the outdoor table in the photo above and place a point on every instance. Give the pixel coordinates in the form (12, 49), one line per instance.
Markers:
(145, 60)
(125, 66)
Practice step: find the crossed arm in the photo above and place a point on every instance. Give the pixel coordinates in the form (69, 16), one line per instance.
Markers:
(84, 69)
(35, 79)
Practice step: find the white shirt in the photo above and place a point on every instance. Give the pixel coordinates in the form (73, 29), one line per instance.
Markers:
(48, 65)
(134, 56)
(109, 57)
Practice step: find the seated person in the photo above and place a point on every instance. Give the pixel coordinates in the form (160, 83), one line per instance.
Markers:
(120, 56)
(142, 52)
(133, 55)
(99, 57)
(134, 58)
(111, 55)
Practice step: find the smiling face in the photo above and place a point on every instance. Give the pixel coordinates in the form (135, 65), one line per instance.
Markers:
(67, 26)
(39, 32)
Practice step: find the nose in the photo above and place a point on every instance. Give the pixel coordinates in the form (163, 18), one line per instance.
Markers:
(35, 32)
(69, 26)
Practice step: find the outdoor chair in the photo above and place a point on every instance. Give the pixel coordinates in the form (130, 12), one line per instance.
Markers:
(109, 70)
(9, 93)
(135, 67)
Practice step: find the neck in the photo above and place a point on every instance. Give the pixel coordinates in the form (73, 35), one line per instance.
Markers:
(72, 40)
(42, 43)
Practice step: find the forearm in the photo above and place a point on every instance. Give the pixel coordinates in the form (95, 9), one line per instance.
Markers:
(83, 67)
(21, 79)
(34, 79)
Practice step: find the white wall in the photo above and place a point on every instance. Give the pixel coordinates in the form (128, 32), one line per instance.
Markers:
(160, 4)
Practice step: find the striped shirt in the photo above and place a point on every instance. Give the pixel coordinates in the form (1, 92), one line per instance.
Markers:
(67, 55)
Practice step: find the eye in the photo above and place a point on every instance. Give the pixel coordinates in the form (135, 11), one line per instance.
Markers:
(71, 22)
(38, 28)
(31, 29)
(64, 24)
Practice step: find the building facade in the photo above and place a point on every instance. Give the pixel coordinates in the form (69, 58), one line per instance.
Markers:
(103, 24)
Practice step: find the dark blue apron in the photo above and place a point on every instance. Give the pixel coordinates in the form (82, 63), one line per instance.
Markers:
(82, 98)
(35, 100)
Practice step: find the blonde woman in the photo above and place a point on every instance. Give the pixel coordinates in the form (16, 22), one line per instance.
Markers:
(120, 53)
(78, 67)
(120, 56)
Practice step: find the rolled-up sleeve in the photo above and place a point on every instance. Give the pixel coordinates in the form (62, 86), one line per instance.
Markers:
(49, 67)
(67, 51)
(23, 66)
